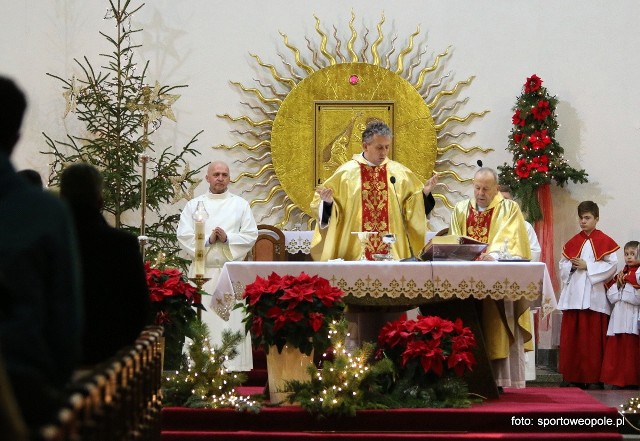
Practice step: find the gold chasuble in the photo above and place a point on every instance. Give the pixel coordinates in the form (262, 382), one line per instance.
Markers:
(502, 220)
(363, 200)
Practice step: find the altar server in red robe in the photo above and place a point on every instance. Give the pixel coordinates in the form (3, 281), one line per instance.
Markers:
(621, 364)
(588, 261)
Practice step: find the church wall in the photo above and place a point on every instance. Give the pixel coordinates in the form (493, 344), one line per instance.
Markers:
(586, 53)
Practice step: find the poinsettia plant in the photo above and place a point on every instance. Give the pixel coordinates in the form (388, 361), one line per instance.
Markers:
(173, 299)
(288, 310)
(174, 303)
(428, 347)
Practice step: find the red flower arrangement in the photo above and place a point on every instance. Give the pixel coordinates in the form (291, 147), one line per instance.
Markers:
(537, 155)
(428, 348)
(173, 298)
(291, 310)
(174, 303)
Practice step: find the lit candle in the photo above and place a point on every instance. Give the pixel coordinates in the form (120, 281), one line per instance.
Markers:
(200, 216)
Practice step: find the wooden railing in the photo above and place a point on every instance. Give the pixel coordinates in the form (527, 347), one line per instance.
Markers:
(118, 399)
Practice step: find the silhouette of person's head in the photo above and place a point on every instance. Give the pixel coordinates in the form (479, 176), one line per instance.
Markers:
(32, 176)
(12, 107)
(81, 185)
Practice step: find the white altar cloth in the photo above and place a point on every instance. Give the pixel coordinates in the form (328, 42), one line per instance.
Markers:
(401, 283)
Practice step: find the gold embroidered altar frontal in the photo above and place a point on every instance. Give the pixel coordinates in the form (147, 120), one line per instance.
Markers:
(399, 283)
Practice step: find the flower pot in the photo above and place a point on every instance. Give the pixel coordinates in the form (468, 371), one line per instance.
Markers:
(290, 364)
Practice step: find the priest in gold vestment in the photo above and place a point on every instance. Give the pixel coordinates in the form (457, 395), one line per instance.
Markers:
(492, 219)
(365, 194)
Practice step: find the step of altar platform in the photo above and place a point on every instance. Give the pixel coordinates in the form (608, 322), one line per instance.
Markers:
(297, 436)
(532, 413)
(258, 375)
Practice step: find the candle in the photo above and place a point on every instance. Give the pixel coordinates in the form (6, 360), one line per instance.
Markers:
(199, 259)
(200, 216)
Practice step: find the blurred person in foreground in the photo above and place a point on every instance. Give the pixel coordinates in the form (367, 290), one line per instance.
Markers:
(40, 297)
(116, 297)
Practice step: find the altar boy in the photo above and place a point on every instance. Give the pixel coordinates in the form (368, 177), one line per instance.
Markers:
(588, 261)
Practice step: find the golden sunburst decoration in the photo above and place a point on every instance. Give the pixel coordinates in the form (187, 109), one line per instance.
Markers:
(310, 119)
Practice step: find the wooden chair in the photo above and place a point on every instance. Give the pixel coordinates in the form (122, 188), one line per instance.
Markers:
(269, 245)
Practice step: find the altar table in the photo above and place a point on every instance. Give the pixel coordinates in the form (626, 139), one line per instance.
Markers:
(447, 288)
(404, 283)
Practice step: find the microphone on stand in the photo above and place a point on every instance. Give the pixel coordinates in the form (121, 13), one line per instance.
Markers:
(413, 257)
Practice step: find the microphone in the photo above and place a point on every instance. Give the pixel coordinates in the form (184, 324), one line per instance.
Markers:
(413, 257)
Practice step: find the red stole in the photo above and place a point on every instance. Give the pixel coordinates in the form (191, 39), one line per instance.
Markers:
(478, 223)
(629, 273)
(601, 244)
(375, 209)
(630, 276)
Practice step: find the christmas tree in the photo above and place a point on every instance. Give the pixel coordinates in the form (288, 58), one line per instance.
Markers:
(121, 111)
(203, 381)
(537, 156)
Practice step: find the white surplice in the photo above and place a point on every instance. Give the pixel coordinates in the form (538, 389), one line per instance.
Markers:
(233, 215)
(626, 308)
(584, 289)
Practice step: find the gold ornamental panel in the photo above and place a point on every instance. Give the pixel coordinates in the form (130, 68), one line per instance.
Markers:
(320, 122)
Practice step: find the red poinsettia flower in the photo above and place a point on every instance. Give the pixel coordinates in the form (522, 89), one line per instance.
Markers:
(262, 286)
(173, 299)
(523, 168)
(461, 362)
(327, 294)
(292, 310)
(517, 137)
(316, 320)
(541, 110)
(282, 317)
(517, 120)
(434, 325)
(540, 163)
(434, 344)
(429, 353)
(395, 333)
(297, 294)
(533, 84)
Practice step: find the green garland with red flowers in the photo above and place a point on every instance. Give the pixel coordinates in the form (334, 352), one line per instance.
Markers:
(537, 155)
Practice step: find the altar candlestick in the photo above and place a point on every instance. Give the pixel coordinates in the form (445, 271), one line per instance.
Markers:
(200, 216)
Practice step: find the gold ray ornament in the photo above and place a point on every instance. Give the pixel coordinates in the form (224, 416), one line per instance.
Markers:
(323, 104)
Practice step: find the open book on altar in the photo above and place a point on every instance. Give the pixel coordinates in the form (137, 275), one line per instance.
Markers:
(452, 247)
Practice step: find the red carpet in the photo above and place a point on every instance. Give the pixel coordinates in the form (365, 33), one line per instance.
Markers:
(532, 413)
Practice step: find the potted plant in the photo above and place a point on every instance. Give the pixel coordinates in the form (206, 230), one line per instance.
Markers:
(289, 316)
(174, 304)
(430, 355)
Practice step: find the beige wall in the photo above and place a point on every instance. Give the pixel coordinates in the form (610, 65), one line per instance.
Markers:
(585, 51)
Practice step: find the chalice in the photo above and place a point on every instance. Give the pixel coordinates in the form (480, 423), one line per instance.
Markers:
(389, 239)
(363, 237)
